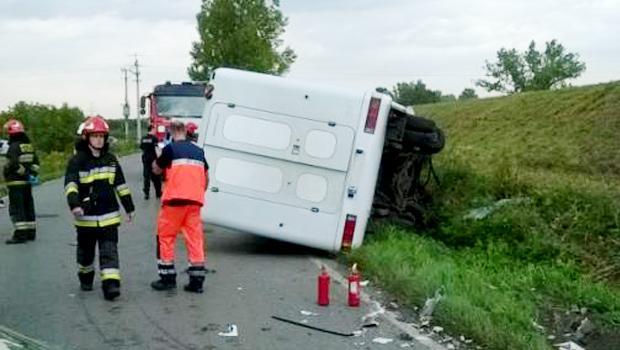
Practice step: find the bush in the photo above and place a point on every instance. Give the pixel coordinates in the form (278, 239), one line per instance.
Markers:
(49, 128)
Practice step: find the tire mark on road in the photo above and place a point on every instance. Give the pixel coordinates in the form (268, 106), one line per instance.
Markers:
(171, 337)
(91, 321)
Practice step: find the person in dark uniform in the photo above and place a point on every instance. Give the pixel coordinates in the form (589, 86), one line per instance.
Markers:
(93, 180)
(20, 171)
(148, 145)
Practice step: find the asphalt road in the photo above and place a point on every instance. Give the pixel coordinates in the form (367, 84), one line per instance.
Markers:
(250, 279)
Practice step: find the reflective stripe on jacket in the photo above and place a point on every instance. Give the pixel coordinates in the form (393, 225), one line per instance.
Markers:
(185, 173)
(93, 183)
(21, 163)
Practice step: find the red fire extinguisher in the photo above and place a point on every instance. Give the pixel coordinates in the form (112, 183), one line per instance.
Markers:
(354, 287)
(323, 296)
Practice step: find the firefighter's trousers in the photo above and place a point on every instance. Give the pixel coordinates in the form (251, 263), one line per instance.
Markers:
(107, 239)
(185, 219)
(21, 210)
(148, 177)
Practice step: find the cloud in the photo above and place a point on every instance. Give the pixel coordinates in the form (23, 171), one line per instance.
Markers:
(58, 51)
(444, 43)
(77, 59)
(124, 9)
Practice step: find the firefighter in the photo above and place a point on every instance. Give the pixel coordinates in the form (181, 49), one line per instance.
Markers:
(148, 145)
(93, 180)
(192, 135)
(187, 179)
(20, 171)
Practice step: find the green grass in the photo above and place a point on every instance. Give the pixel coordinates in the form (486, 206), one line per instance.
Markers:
(487, 294)
(557, 245)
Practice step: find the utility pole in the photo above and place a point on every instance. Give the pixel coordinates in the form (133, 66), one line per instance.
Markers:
(126, 106)
(136, 71)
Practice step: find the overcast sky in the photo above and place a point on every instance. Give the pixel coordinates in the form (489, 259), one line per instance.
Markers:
(55, 51)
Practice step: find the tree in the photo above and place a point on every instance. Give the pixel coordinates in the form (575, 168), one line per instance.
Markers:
(447, 98)
(49, 127)
(468, 94)
(240, 34)
(415, 93)
(532, 70)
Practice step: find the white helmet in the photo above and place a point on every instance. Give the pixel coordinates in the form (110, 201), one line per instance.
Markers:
(80, 128)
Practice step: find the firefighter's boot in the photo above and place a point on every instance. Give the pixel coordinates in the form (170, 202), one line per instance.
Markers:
(31, 235)
(167, 277)
(86, 280)
(111, 289)
(196, 279)
(19, 237)
(15, 240)
(165, 282)
(195, 284)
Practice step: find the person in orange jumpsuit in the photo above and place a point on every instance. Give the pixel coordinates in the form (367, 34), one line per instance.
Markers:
(187, 178)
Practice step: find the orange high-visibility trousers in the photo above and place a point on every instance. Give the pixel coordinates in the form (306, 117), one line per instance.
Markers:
(175, 219)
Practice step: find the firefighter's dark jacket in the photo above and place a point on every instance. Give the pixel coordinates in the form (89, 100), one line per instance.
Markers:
(22, 162)
(148, 144)
(92, 183)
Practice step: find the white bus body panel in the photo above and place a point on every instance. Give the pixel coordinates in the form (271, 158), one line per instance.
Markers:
(290, 160)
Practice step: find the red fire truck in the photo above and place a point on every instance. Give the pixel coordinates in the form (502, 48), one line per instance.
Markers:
(167, 102)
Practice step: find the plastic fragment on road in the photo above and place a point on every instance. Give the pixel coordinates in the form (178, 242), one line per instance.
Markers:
(231, 331)
(430, 303)
(381, 340)
(370, 317)
(308, 313)
(569, 345)
(6, 344)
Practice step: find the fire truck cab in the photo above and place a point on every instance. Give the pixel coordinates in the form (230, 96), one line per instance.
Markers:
(167, 102)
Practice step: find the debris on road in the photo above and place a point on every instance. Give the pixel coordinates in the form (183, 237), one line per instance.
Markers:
(585, 327)
(392, 306)
(231, 331)
(308, 313)
(405, 337)
(371, 317)
(358, 333)
(371, 324)
(569, 345)
(350, 334)
(381, 340)
(430, 303)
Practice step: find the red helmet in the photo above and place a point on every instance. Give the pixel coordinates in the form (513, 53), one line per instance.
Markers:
(13, 126)
(95, 124)
(191, 128)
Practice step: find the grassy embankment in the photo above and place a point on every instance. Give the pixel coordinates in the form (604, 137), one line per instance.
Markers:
(554, 249)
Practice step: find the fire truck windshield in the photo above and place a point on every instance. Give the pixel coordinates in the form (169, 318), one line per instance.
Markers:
(180, 106)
